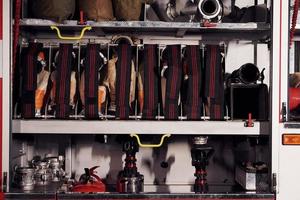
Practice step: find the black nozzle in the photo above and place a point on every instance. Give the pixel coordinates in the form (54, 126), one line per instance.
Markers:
(247, 73)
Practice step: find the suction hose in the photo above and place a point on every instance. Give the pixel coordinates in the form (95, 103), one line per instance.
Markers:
(247, 73)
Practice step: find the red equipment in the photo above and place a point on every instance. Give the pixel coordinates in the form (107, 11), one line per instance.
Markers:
(89, 182)
(294, 98)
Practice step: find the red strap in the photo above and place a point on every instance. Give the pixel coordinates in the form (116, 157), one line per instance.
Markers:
(173, 82)
(194, 102)
(92, 63)
(63, 79)
(29, 79)
(18, 7)
(150, 81)
(123, 79)
(214, 81)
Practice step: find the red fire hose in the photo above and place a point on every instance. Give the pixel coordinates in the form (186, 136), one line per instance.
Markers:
(18, 7)
(294, 21)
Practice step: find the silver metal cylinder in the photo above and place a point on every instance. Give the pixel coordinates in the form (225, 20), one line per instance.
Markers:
(132, 184)
(200, 140)
(43, 175)
(55, 165)
(24, 178)
(210, 9)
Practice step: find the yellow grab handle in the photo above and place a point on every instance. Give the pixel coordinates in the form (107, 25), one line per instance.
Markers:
(71, 38)
(150, 145)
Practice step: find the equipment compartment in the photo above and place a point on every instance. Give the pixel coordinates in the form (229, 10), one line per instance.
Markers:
(113, 86)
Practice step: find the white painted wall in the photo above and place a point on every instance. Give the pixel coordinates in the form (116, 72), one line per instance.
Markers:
(178, 177)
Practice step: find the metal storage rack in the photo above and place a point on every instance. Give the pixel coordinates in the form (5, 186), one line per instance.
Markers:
(182, 32)
(159, 32)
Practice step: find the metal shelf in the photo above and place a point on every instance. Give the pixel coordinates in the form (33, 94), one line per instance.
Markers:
(139, 127)
(238, 196)
(222, 31)
(179, 29)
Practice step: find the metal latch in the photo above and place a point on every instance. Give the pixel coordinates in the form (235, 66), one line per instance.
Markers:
(274, 182)
(249, 122)
(4, 185)
(283, 112)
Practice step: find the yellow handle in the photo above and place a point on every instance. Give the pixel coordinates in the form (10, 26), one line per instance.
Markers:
(150, 145)
(71, 38)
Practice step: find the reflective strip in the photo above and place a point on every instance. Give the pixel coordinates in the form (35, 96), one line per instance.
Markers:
(291, 139)
(1, 58)
(1, 20)
(1, 132)
(1, 92)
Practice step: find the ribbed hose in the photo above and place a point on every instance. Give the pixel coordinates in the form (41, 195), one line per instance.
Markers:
(294, 21)
(16, 33)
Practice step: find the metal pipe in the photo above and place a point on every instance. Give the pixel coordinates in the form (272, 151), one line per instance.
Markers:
(162, 8)
(210, 9)
(190, 8)
(169, 10)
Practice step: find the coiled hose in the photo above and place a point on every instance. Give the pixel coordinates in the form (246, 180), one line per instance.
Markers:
(294, 21)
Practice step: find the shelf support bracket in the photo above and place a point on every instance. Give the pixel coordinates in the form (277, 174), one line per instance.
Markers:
(181, 32)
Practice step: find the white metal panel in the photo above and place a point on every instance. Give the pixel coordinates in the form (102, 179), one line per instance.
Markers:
(275, 82)
(288, 162)
(289, 175)
(6, 63)
(176, 152)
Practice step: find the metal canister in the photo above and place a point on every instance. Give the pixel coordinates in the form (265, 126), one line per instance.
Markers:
(131, 184)
(43, 174)
(24, 178)
(55, 165)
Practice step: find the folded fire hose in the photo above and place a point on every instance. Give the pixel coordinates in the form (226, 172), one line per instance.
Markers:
(150, 82)
(173, 82)
(193, 105)
(63, 81)
(91, 81)
(123, 80)
(214, 82)
(29, 81)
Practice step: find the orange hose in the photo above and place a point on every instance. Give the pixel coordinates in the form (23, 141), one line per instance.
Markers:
(141, 99)
(39, 99)
(101, 97)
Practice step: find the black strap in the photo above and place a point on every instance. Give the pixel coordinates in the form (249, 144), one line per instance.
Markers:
(123, 79)
(214, 81)
(91, 65)
(29, 80)
(63, 78)
(173, 82)
(150, 81)
(194, 101)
